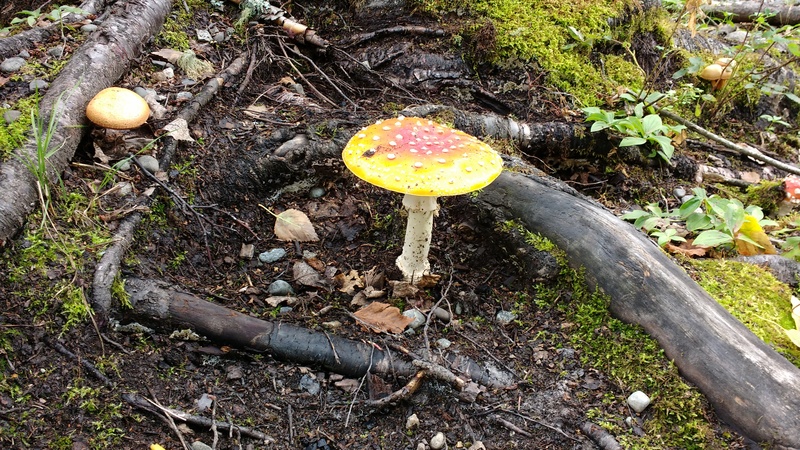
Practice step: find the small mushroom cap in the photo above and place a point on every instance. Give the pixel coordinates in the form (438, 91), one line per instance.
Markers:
(117, 108)
(726, 62)
(792, 188)
(420, 157)
(712, 72)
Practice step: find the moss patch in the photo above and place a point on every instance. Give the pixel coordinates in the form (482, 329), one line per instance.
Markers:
(630, 358)
(13, 135)
(754, 297)
(561, 37)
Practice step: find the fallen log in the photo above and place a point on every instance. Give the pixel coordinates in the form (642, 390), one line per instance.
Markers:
(165, 307)
(778, 12)
(749, 384)
(97, 64)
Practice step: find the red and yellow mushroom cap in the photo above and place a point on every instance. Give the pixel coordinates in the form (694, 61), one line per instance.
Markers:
(417, 156)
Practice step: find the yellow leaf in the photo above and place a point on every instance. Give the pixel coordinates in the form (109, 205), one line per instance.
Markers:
(796, 312)
(156, 447)
(752, 230)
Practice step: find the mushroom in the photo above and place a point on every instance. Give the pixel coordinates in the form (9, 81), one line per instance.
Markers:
(118, 109)
(792, 188)
(718, 73)
(423, 160)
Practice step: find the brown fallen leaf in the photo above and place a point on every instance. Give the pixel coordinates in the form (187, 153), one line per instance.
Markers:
(380, 317)
(687, 249)
(348, 282)
(293, 225)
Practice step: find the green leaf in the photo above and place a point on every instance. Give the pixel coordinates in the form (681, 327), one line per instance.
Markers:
(630, 141)
(633, 215)
(792, 97)
(712, 238)
(651, 123)
(698, 221)
(689, 207)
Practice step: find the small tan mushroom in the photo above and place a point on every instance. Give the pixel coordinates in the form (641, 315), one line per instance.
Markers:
(118, 109)
(719, 73)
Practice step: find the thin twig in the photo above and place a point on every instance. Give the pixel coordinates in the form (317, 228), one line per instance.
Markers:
(751, 152)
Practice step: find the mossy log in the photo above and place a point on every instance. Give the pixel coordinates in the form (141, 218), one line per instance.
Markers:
(749, 384)
(781, 12)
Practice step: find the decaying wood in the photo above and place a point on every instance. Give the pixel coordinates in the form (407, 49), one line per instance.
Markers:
(97, 64)
(164, 307)
(749, 384)
(600, 436)
(781, 12)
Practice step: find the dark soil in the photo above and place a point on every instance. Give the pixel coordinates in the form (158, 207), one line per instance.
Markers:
(51, 399)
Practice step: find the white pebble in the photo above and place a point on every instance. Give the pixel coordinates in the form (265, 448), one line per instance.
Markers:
(412, 422)
(438, 441)
(638, 401)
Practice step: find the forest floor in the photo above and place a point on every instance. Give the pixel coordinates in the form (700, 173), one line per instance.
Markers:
(50, 393)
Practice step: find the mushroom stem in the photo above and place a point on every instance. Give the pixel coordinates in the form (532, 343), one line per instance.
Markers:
(413, 262)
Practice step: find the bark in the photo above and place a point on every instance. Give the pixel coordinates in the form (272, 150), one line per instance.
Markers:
(750, 385)
(743, 11)
(102, 60)
(12, 45)
(164, 307)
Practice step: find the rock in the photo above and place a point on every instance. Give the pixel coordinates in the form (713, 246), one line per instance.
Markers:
(438, 441)
(332, 325)
(418, 317)
(219, 37)
(679, 192)
(38, 85)
(11, 116)
(183, 96)
(477, 445)
(247, 251)
(505, 317)
(197, 445)
(316, 192)
(443, 343)
(149, 163)
(638, 401)
(280, 288)
(204, 36)
(441, 314)
(12, 64)
(285, 310)
(233, 373)
(88, 28)
(272, 255)
(412, 422)
(56, 52)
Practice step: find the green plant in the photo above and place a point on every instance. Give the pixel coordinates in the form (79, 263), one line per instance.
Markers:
(638, 129)
(774, 120)
(37, 163)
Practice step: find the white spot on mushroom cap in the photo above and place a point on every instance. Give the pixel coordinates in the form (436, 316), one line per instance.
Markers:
(391, 156)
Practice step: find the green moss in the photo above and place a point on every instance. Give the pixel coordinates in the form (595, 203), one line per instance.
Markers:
(629, 357)
(508, 32)
(13, 135)
(754, 297)
(173, 33)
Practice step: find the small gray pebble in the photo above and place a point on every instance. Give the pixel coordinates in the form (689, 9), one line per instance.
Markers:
(141, 91)
(197, 445)
(12, 64)
(183, 95)
(279, 288)
(11, 116)
(505, 317)
(438, 441)
(188, 82)
(24, 54)
(441, 314)
(124, 165)
(679, 192)
(443, 343)
(418, 317)
(285, 310)
(88, 28)
(38, 85)
(686, 198)
(219, 37)
(316, 192)
(149, 163)
(271, 256)
(56, 52)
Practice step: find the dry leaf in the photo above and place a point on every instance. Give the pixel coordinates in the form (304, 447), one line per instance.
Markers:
(307, 276)
(686, 248)
(169, 54)
(179, 129)
(381, 317)
(794, 335)
(348, 282)
(796, 312)
(293, 225)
